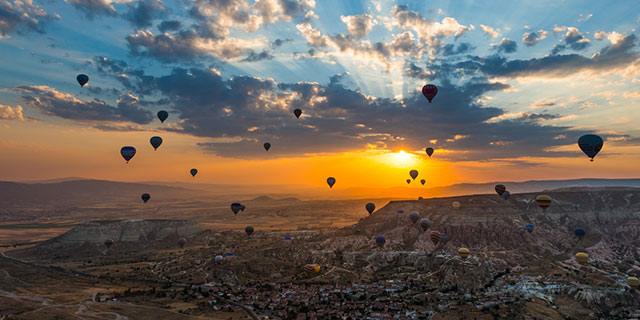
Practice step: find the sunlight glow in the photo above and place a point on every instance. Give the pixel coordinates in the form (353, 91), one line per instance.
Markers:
(400, 159)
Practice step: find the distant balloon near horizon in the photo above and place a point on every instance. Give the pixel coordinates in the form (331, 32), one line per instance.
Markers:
(237, 207)
(380, 240)
(543, 201)
(331, 181)
(579, 232)
(145, 197)
(156, 142)
(267, 146)
(127, 152)
(193, 172)
(182, 242)
(425, 224)
(414, 216)
(529, 227)
(408, 181)
(82, 79)
(429, 91)
(500, 189)
(429, 151)
(297, 113)
(370, 207)
(413, 174)
(456, 205)
(248, 230)
(582, 257)
(591, 145)
(423, 181)
(163, 115)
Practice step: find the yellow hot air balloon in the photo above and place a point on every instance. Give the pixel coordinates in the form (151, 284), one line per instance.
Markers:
(582, 257)
(456, 205)
(543, 201)
(463, 252)
(314, 268)
(633, 282)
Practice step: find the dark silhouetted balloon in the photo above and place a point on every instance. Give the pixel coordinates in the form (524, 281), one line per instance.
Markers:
(82, 79)
(128, 152)
(413, 173)
(108, 243)
(248, 230)
(543, 201)
(423, 181)
(414, 217)
(425, 224)
(297, 113)
(505, 195)
(267, 146)
(429, 91)
(155, 142)
(529, 227)
(435, 237)
(429, 151)
(590, 144)
(579, 232)
(370, 207)
(380, 240)
(182, 242)
(500, 189)
(163, 115)
(331, 181)
(237, 207)
(408, 181)
(145, 197)
(193, 172)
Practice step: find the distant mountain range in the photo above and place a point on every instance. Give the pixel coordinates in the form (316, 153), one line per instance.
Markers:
(83, 191)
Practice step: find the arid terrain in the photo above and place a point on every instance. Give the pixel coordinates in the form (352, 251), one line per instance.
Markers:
(67, 272)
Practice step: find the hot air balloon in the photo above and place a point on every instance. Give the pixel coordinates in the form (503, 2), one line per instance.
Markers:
(429, 91)
(248, 230)
(529, 227)
(633, 282)
(82, 79)
(408, 181)
(505, 195)
(582, 257)
(579, 232)
(287, 237)
(182, 242)
(500, 189)
(414, 217)
(423, 181)
(218, 259)
(267, 146)
(145, 197)
(456, 205)
(163, 115)
(590, 144)
(108, 243)
(435, 237)
(193, 172)
(380, 240)
(463, 252)
(370, 207)
(128, 152)
(297, 113)
(429, 151)
(331, 181)
(413, 174)
(155, 142)
(543, 201)
(237, 207)
(444, 238)
(425, 224)
(313, 268)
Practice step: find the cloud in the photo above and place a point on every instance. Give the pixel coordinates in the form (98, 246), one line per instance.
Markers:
(11, 113)
(573, 39)
(491, 32)
(530, 39)
(358, 26)
(22, 15)
(428, 31)
(65, 105)
(94, 8)
(613, 37)
(450, 49)
(254, 57)
(507, 46)
(169, 25)
(143, 12)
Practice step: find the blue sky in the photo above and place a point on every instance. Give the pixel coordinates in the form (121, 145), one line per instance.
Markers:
(517, 79)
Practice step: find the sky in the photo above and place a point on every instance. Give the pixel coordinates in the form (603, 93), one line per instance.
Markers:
(518, 83)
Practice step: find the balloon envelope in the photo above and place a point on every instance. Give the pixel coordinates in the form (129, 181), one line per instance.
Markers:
(127, 152)
(425, 224)
(590, 144)
(435, 237)
(237, 207)
(505, 195)
(543, 201)
(463, 252)
(413, 173)
(380, 240)
(408, 181)
(582, 257)
(429, 151)
(163, 115)
(633, 282)
(297, 113)
(500, 189)
(108, 243)
(82, 79)
(193, 172)
(423, 181)
(414, 216)
(218, 259)
(456, 205)
(331, 181)
(145, 197)
(579, 232)
(314, 268)
(370, 207)
(248, 230)
(429, 91)
(529, 227)
(155, 142)
(267, 146)
(182, 242)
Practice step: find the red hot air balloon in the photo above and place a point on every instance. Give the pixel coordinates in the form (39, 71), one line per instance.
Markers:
(429, 91)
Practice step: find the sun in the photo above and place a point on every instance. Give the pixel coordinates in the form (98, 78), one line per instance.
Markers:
(400, 159)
